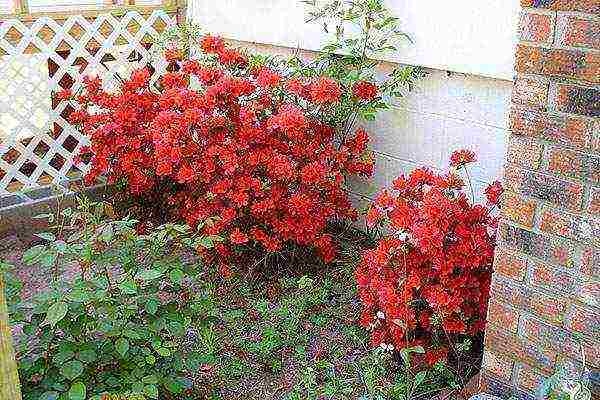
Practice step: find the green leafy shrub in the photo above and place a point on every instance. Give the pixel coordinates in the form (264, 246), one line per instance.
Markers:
(121, 323)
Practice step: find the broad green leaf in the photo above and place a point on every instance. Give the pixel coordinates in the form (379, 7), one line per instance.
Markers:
(55, 313)
(163, 351)
(62, 357)
(419, 378)
(72, 369)
(50, 395)
(176, 276)
(122, 346)
(87, 356)
(33, 254)
(77, 391)
(47, 259)
(151, 391)
(150, 379)
(148, 274)
(128, 287)
(151, 306)
(150, 359)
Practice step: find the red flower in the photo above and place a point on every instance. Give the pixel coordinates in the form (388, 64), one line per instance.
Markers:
(493, 192)
(237, 237)
(212, 44)
(364, 90)
(430, 277)
(267, 78)
(325, 90)
(227, 153)
(462, 157)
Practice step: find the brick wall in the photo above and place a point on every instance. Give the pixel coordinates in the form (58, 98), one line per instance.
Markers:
(546, 286)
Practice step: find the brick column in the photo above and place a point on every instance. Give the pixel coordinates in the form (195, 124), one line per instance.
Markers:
(546, 285)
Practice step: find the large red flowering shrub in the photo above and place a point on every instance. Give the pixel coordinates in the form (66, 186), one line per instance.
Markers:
(426, 283)
(245, 147)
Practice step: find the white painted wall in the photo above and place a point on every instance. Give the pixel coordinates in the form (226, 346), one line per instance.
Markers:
(471, 36)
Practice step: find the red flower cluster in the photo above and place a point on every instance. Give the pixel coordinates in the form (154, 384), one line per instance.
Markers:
(240, 148)
(364, 90)
(428, 281)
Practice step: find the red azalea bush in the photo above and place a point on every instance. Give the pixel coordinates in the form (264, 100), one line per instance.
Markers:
(247, 149)
(427, 282)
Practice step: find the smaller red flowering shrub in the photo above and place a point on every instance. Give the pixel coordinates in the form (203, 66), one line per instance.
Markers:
(244, 150)
(427, 282)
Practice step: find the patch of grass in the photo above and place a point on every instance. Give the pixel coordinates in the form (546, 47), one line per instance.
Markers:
(294, 338)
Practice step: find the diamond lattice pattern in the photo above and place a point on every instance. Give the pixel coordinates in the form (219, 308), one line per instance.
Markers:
(37, 144)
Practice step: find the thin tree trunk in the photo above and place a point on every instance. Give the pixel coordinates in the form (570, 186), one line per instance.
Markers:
(9, 377)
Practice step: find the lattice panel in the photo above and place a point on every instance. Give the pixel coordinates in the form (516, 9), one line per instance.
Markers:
(37, 144)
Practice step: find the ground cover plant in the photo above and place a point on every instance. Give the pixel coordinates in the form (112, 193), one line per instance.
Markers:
(119, 323)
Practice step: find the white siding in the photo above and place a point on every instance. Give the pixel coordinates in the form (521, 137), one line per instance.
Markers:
(470, 36)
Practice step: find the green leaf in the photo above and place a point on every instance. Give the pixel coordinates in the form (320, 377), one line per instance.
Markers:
(151, 306)
(151, 391)
(32, 254)
(163, 351)
(122, 346)
(150, 379)
(206, 242)
(128, 287)
(62, 357)
(176, 276)
(47, 259)
(55, 313)
(46, 236)
(148, 274)
(72, 369)
(77, 391)
(419, 378)
(50, 395)
(150, 359)
(87, 356)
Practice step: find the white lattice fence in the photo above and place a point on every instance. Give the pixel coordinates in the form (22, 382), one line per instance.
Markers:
(37, 60)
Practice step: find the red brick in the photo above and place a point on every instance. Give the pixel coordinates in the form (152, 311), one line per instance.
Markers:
(574, 64)
(518, 209)
(550, 249)
(531, 92)
(574, 164)
(497, 364)
(524, 152)
(571, 226)
(503, 316)
(550, 277)
(536, 27)
(584, 320)
(494, 385)
(560, 339)
(529, 378)
(528, 299)
(579, 32)
(570, 131)
(590, 262)
(586, 6)
(510, 264)
(593, 206)
(507, 344)
(563, 193)
(579, 100)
